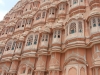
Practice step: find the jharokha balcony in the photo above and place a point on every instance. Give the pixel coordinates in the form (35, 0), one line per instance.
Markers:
(31, 45)
(40, 18)
(77, 6)
(51, 37)
(8, 51)
(62, 9)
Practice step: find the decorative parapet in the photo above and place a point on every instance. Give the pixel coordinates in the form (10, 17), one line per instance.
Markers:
(95, 11)
(36, 29)
(58, 24)
(76, 17)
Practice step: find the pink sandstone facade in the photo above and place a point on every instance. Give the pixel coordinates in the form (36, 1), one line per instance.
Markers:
(51, 37)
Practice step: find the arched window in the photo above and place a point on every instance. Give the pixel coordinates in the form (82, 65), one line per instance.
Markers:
(13, 46)
(29, 40)
(94, 22)
(10, 45)
(72, 28)
(35, 39)
(80, 26)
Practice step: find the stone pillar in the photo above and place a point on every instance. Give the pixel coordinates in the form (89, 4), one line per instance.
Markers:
(96, 71)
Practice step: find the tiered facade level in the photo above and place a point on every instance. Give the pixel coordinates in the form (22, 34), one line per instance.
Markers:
(51, 37)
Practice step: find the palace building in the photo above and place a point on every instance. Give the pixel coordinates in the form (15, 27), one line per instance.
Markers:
(51, 37)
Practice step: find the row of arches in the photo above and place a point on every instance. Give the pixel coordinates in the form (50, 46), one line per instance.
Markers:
(52, 10)
(73, 27)
(24, 22)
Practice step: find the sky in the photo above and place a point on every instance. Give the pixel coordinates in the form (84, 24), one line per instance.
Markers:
(5, 6)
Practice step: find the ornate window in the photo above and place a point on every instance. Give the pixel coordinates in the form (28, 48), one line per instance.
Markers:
(61, 6)
(18, 24)
(32, 40)
(23, 22)
(52, 11)
(19, 45)
(13, 46)
(29, 40)
(98, 21)
(7, 30)
(72, 28)
(35, 39)
(45, 37)
(80, 26)
(43, 15)
(29, 21)
(57, 34)
(38, 16)
(10, 45)
(94, 22)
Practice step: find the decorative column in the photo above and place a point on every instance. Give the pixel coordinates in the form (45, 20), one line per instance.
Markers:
(96, 71)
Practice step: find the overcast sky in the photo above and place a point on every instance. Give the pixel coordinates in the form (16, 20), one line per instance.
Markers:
(5, 6)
